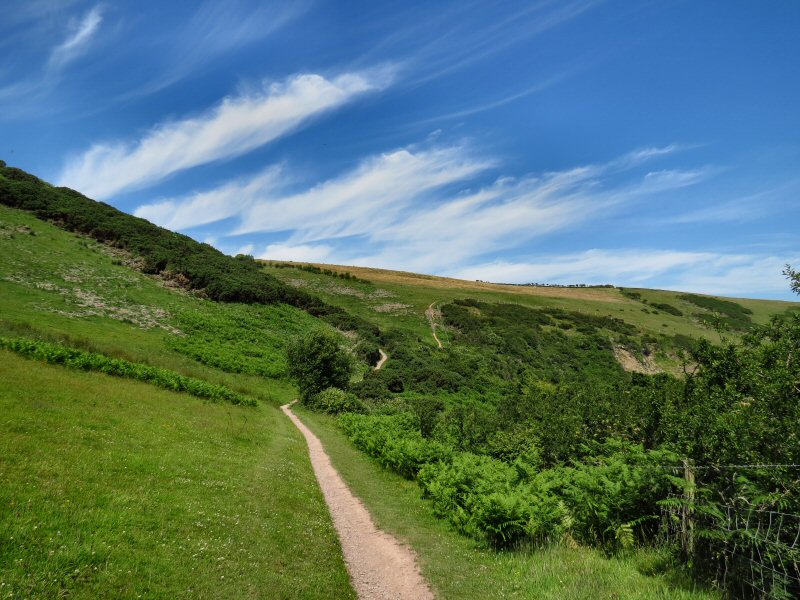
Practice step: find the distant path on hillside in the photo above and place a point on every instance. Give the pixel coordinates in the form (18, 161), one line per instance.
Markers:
(380, 567)
(384, 358)
(432, 313)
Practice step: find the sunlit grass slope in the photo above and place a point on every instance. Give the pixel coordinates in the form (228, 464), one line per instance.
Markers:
(115, 489)
(64, 287)
(399, 299)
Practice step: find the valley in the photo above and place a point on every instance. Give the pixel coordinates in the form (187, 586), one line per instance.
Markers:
(521, 440)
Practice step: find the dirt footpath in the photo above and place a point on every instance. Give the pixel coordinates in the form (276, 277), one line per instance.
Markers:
(434, 314)
(379, 566)
(383, 359)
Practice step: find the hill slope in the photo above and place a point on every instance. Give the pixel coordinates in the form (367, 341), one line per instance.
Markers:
(124, 455)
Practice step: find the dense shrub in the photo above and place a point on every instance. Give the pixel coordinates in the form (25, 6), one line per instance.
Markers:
(667, 308)
(316, 363)
(516, 337)
(609, 499)
(335, 401)
(393, 441)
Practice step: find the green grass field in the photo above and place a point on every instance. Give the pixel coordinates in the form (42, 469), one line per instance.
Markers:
(67, 288)
(113, 488)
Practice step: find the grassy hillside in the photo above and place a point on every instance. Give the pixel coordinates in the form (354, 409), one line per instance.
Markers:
(399, 299)
(69, 288)
(176, 258)
(177, 496)
(117, 488)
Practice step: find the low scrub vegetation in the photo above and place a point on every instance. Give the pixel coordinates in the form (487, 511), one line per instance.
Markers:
(319, 271)
(720, 313)
(567, 450)
(92, 361)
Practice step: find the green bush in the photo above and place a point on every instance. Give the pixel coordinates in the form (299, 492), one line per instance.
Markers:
(720, 312)
(394, 441)
(605, 499)
(667, 308)
(316, 363)
(335, 401)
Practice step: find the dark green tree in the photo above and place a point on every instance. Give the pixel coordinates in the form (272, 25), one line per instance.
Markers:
(316, 363)
(793, 277)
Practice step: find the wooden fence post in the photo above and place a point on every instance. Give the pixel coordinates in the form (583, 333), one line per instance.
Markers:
(687, 513)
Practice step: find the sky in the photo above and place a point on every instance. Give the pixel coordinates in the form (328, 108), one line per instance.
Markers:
(643, 144)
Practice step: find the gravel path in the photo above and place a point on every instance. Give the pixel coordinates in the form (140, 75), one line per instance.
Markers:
(380, 567)
(433, 313)
(384, 358)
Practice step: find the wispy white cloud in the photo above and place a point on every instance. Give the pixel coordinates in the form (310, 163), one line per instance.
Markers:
(701, 272)
(26, 94)
(738, 209)
(592, 266)
(237, 125)
(213, 29)
(444, 44)
(246, 249)
(82, 32)
(202, 208)
(656, 181)
(369, 199)
(299, 252)
(421, 208)
(498, 102)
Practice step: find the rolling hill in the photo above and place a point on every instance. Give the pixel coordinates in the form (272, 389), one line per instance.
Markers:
(114, 486)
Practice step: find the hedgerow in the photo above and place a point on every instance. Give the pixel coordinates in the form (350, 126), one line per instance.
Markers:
(92, 361)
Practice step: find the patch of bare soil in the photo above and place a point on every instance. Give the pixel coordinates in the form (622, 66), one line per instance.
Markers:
(381, 293)
(380, 567)
(177, 282)
(629, 362)
(7, 230)
(344, 290)
(392, 307)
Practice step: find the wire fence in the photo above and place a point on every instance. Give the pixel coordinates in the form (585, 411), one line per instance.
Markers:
(750, 551)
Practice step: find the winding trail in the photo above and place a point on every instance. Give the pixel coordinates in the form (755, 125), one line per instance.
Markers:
(380, 567)
(384, 358)
(432, 313)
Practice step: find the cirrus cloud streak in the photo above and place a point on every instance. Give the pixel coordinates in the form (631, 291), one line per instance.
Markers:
(238, 124)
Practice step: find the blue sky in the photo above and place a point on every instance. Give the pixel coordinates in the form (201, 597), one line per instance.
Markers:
(650, 144)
